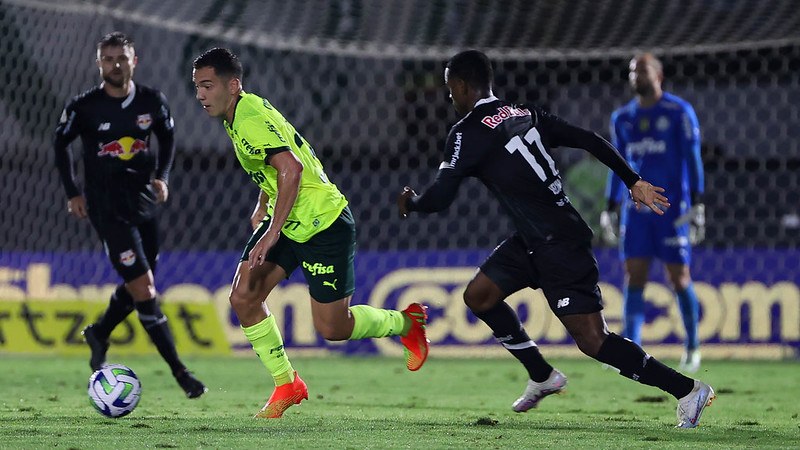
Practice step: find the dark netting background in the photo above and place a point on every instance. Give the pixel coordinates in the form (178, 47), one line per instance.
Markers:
(362, 81)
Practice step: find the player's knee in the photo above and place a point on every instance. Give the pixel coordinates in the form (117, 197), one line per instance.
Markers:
(636, 273)
(474, 301)
(478, 299)
(470, 298)
(241, 300)
(681, 282)
(141, 288)
(680, 278)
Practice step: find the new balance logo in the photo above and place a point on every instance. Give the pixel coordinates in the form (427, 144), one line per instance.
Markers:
(330, 285)
(562, 302)
(105, 126)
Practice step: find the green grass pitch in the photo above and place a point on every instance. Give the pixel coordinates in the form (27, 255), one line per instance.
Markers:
(375, 403)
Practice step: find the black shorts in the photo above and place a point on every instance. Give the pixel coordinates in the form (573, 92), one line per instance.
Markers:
(131, 248)
(327, 259)
(565, 271)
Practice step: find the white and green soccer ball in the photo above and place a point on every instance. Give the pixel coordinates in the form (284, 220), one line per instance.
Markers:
(114, 390)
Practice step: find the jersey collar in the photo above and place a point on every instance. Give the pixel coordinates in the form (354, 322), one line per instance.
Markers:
(131, 95)
(129, 98)
(238, 98)
(491, 98)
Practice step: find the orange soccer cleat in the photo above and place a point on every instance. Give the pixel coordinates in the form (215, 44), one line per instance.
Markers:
(283, 397)
(415, 341)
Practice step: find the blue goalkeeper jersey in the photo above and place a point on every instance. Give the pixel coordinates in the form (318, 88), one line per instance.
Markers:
(661, 143)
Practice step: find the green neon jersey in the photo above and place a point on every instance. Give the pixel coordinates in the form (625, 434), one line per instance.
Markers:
(259, 131)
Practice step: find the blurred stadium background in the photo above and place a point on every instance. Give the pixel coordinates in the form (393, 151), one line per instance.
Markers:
(362, 81)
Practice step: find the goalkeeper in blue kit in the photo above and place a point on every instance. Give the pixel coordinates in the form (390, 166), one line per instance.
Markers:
(659, 135)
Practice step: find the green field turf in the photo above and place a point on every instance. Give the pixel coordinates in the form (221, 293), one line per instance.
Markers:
(375, 403)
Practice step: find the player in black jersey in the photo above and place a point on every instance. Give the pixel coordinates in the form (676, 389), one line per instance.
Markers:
(123, 180)
(507, 147)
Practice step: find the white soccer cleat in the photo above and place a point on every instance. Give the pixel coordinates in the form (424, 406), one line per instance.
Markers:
(691, 407)
(535, 392)
(690, 361)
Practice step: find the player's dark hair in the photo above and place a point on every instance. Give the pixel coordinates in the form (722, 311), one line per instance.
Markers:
(224, 62)
(115, 39)
(473, 67)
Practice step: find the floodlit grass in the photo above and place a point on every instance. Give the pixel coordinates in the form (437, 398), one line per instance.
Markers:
(375, 403)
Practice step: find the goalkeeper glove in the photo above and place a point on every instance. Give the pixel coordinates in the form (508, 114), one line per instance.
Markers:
(609, 224)
(696, 218)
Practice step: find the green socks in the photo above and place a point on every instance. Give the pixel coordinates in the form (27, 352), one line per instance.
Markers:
(377, 323)
(268, 345)
(369, 323)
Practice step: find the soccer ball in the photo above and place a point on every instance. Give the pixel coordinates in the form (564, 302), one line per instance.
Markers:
(114, 390)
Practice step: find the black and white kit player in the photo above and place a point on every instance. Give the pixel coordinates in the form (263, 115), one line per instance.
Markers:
(124, 178)
(508, 148)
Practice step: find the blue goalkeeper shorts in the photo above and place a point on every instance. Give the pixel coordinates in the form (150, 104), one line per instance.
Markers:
(645, 234)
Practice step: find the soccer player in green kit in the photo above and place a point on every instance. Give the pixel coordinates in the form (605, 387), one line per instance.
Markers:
(301, 220)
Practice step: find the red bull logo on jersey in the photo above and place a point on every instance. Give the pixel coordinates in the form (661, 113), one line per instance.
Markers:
(123, 148)
(144, 121)
(503, 113)
(127, 258)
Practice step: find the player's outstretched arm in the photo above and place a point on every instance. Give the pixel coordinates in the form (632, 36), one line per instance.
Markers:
(649, 195)
(571, 136)
(436, 197)
(461, 155)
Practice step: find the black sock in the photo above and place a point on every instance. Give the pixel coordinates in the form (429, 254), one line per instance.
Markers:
(119, 306)
(637, 365)
(155, 323)
(508, 330)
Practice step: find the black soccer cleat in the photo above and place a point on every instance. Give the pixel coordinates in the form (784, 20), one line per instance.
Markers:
(97, 346)
(192, 386)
